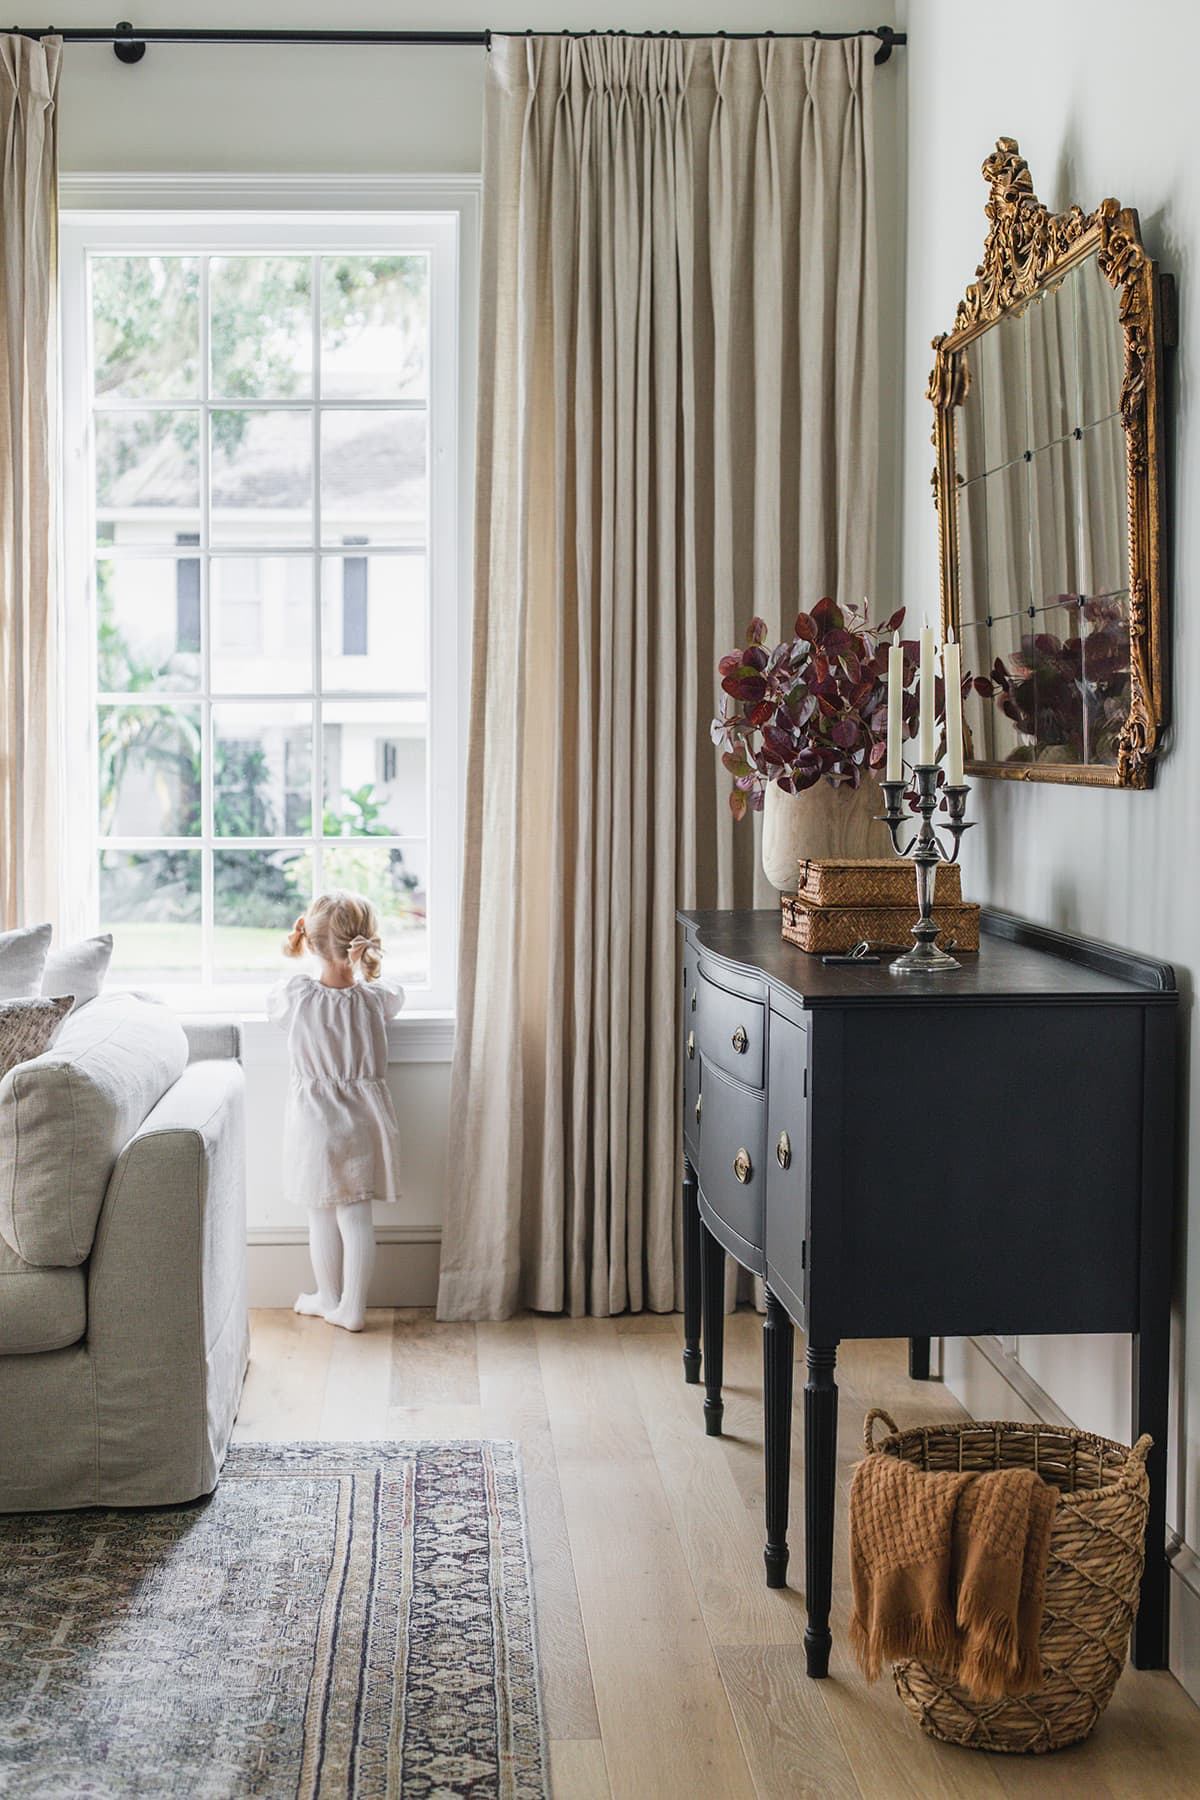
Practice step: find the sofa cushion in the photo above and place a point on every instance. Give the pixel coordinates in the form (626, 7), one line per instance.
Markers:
(78, 969)
(65, 1117)
(22, 959)
(40, 1309)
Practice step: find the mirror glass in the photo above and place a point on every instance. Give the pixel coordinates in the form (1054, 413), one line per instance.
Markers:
(1041, 485)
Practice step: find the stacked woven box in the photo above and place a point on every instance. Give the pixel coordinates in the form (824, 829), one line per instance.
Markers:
(842, 902)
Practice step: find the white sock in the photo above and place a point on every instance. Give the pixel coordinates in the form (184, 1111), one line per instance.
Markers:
(358, 1257)
(325, 1250)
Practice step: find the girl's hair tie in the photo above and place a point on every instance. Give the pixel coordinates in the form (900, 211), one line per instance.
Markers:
(357, 945)
(297, 939)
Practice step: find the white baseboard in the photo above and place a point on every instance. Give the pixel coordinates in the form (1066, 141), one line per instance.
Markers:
(991, 1384)
(406, 1267)
(1183, 1653)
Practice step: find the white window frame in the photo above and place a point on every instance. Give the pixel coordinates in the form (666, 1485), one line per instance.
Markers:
(205, 216)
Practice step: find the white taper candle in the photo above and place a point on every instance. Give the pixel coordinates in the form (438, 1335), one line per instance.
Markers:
(895, 716)
(925, 720)
(952, 672)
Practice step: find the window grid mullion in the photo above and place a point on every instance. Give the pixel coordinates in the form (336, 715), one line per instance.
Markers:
(225, 552)
(93, 587)
(207, 742)
(131, 841)
(318, 734)
(242, 404)
(185, 697)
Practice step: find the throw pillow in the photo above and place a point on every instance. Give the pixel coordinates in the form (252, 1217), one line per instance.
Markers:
(78, 969)
(27, 1027)
(22, 959)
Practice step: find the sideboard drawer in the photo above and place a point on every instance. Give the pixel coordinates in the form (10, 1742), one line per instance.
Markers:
(733, 1159)
(731, 1032)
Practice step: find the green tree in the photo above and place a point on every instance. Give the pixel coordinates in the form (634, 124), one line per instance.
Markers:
(146, 324)
(164, 743)
(363, 816)
(161, 739)
(241, 806)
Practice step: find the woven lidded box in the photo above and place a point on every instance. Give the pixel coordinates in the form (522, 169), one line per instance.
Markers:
(833, 929)
(869, 881)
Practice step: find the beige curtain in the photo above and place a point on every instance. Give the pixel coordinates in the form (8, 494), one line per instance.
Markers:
(677, 428)
(28, 359)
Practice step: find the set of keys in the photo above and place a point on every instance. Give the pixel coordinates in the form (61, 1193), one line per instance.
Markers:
(862, 952)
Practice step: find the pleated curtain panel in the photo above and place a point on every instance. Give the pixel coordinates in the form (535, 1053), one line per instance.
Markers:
(678, 428)
(28, 475)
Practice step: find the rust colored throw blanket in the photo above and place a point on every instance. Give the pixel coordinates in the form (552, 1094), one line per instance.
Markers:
(951, 1569)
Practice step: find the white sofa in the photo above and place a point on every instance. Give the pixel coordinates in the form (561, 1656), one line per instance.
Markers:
(123, 1322)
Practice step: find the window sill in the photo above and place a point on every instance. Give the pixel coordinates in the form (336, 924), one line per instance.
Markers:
(415, 1037)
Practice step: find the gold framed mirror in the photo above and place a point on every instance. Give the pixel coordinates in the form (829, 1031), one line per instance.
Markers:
(1048, 426)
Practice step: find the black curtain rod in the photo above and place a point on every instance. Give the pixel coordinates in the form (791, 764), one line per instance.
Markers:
(130, 45)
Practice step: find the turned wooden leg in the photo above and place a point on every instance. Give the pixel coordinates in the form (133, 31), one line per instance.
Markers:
(713, 1270)
(820, 1473)
(1151, 1351)
(778, 1338)
(918, 1359)
(691, 1276)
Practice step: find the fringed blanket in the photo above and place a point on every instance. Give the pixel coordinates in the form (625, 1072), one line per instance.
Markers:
(951, 1569)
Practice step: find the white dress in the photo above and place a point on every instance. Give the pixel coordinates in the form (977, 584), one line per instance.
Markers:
(340, 1139)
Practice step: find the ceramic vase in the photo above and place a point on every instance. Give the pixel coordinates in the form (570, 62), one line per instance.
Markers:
(824, 821)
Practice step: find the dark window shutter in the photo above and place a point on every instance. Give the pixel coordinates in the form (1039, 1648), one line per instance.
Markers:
(187, 597)
(354, 602)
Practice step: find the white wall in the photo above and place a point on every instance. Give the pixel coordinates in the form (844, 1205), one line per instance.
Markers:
(345, 109)
(1098, 98)
(350, 111)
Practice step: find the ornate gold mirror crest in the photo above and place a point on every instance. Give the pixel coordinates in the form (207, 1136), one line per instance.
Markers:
(1048, 425)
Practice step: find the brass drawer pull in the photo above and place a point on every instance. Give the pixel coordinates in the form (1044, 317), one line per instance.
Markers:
(740, 1041)
(699, 1104)
(691, 1045)
(743, 1168)
(783, 1151)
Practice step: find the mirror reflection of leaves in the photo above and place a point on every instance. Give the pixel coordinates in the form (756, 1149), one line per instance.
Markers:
(1066, 697)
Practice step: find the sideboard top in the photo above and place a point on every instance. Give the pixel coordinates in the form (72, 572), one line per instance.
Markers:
(1015, 961)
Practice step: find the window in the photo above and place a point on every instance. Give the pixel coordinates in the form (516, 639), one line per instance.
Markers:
(262, 585)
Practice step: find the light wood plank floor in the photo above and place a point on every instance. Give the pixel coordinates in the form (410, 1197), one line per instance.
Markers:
(668, 1669)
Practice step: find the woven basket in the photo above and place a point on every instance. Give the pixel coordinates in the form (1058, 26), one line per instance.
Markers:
(1097, 1548)
(820, 929)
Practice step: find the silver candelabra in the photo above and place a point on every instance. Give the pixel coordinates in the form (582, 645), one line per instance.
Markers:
(926, 850)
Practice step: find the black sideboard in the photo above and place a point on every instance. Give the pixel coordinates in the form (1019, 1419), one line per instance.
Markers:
(917, 1156)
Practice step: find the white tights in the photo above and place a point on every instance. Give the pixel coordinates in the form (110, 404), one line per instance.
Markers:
(341, 1243)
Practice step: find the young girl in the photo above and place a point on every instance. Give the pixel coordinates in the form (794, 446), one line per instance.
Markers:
(340, 1141)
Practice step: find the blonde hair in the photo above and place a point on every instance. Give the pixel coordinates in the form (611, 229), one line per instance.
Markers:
(342, 927)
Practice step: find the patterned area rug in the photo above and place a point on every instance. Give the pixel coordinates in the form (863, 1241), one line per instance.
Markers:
(336, 1620)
